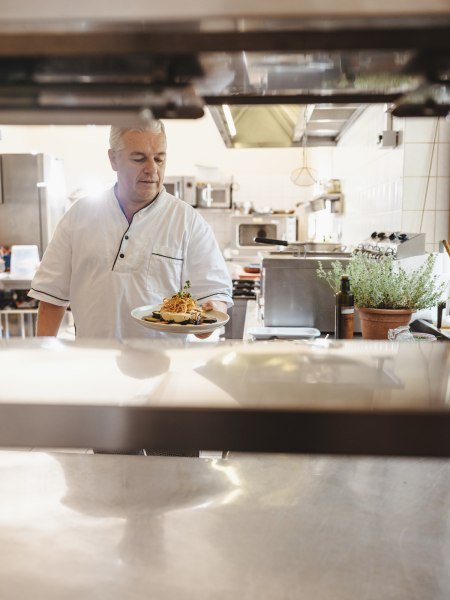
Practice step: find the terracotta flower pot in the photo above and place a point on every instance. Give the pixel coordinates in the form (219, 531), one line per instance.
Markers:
(376, 322)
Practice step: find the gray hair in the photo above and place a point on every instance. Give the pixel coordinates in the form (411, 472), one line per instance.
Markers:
(116, 133)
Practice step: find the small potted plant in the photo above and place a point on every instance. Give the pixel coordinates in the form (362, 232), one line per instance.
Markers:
(385, 294)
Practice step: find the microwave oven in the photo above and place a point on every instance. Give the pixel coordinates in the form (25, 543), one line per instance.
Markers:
(213, 195)
(182, 187)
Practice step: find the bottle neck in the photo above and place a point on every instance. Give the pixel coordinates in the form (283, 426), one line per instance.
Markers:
(345, 286)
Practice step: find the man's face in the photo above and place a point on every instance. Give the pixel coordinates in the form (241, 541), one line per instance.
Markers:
(140, 166)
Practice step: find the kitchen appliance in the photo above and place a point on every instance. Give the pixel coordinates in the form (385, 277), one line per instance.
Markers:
(243, 291)
(245, 228)
(393, 243)
(213, 195)
(293, 294)
(32, 199)
(182, 187)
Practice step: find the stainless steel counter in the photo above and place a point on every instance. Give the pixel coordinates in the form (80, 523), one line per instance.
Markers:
(380, 398)
(256, 527)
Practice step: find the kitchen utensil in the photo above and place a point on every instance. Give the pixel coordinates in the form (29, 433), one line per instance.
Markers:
(446, 246)
(24, 261)
(313, 248)
(424, 337)
(252, 268)
(286, 333)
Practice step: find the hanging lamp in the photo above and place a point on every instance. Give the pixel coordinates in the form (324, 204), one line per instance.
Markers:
(304, 176)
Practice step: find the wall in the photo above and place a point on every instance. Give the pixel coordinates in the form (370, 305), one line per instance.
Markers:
(262, 175)
(403, 188)
(406, 188)
(426, 179)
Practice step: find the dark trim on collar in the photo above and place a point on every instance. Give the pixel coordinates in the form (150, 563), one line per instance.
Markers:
(151, 203)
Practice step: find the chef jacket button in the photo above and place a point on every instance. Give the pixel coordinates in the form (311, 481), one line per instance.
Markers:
(126, 237)
(122, 255)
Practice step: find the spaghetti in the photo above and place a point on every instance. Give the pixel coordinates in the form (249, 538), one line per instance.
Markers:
(180, 309)
(178, 304)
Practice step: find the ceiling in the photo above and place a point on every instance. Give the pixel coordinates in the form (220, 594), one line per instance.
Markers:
(113, 62)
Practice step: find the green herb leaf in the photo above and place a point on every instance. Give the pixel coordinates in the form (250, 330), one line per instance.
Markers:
(383, 283)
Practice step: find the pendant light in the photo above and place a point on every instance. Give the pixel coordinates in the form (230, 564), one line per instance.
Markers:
(304, 176)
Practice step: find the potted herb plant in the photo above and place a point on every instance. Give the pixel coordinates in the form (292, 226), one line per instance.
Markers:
(385, 294)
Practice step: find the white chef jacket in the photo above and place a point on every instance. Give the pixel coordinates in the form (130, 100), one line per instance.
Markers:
(104, 266)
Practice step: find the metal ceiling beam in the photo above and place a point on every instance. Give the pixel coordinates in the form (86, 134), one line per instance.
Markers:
(116, 43)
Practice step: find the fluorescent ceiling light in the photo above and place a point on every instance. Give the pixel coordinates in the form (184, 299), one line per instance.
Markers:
(229, 119)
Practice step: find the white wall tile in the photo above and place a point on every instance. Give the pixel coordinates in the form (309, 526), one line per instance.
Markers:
(420, 160)
(420, 130)
(441, 225)
(378, 184)
(443, 159)
(427, 225)
(443, 193)
(444, 131)
(419, 193)
(416, 221)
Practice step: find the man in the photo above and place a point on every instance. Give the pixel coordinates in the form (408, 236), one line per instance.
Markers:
(133, 246)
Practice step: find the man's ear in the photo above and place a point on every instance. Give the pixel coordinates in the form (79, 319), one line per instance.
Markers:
(112, 159)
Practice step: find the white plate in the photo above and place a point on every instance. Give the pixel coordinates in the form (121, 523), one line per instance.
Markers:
(144, 311)
(287, 333)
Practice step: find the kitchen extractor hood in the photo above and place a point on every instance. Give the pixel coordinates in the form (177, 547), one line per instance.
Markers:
(103, 62)
(284, 125)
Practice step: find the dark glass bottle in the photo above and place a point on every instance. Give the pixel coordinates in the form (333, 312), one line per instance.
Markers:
(345, 311)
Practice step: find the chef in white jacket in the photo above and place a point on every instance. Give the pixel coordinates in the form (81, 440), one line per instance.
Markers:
(133, 246)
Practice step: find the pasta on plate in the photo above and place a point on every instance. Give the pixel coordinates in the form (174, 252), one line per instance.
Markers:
(181, 308)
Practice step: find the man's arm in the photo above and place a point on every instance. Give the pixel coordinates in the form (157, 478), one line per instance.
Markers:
(49, 318)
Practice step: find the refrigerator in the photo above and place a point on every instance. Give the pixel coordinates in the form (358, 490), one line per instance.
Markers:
(32, 198)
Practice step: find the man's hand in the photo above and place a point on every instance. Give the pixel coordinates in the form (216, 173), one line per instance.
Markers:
(211, 305)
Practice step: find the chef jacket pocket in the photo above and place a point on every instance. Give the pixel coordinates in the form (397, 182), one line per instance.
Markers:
(165, 270)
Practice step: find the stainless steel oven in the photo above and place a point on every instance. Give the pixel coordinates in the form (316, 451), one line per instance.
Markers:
(181, 186)
(244, 228)
(293, 294)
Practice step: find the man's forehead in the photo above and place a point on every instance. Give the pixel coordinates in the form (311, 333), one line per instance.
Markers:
(146, 151)
(144, 141)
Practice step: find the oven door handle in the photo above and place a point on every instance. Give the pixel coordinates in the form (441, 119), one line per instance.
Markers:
(207, 195)
(262, 240)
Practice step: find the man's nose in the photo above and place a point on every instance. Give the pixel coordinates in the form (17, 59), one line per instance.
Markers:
(150, 166)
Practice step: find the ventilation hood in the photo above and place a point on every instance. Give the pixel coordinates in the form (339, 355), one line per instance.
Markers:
(284, 125)
(270, 63)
